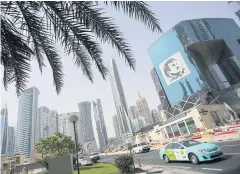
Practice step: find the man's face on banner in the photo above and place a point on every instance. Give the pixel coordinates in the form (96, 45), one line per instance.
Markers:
(174, 67)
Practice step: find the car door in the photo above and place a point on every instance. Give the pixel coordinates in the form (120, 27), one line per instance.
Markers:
(169, 151)
(180, 152)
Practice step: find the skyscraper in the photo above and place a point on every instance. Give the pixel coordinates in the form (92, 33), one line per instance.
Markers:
(11, 140)
(125, 128)
(89, 143)
(164, 105)
(53, 122)
(66, 127)
(133, 113)
(116, 126)
(143, 109)
(202, 58)
(100, 124)
(26, 135)
(4, 130)
(155, 116)
(44, 122)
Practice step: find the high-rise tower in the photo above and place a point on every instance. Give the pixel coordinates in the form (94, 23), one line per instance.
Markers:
(125, 128)
(26, 135)
(100, 124)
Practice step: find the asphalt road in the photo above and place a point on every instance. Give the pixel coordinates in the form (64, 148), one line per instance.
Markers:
(229, 164)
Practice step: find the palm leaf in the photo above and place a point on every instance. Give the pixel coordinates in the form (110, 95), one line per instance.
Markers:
(15, 57)
(104, 28)
(42, 42)
(138, 10)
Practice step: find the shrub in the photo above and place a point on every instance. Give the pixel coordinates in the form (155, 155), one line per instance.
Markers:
(44, 162)
(124, 163)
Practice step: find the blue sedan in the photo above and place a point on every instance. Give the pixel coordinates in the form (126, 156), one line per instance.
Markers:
(190, 150)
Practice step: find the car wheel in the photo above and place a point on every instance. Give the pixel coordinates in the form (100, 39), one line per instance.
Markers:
(193, 158)
(166, 159)
(140, 151)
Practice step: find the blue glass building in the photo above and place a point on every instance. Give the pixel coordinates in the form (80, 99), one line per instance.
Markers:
(197, 61)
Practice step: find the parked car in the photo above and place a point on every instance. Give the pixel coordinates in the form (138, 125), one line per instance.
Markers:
(190, 150)
(140, 148)
(94, 156)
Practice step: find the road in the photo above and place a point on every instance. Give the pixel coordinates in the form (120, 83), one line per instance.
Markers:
(230, 163)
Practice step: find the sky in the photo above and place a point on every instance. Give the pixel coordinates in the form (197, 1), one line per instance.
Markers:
(78, 88)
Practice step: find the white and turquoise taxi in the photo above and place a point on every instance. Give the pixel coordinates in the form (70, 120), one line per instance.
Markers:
(190, 150)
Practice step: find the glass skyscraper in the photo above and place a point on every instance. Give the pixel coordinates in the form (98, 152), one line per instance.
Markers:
(11, 141)
(26, 135)
(4, 130)
(100, 124)
(125, 128)
(87, 126)
(197, 62)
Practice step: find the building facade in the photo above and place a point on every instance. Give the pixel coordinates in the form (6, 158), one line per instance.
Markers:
(11, 141)
(66, 127)
(164, 103)
(27, 121)
(143, 109)
(155, 116)
(89, 142)
(133, 112)
(116, 126)
(44, 122)
(125, 128)
(197, 62)
(4, 130)
(100, 124)
(138, 123)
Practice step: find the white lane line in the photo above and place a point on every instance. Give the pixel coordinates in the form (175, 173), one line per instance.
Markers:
(231, 153)
(180, 167)
(212, 169)
(227, 145)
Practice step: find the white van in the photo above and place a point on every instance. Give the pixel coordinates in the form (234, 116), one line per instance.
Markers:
(140, 148)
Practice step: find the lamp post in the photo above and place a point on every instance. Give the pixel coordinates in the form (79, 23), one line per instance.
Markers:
(74, 119)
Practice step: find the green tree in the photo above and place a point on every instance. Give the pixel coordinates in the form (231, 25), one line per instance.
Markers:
(31, 29)
(56, 145)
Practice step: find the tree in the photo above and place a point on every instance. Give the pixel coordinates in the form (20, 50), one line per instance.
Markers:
(31, 29)
(56, 145)
(237, 13)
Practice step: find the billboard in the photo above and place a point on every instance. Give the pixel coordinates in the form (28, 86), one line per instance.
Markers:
(179, 77)
(174, 68)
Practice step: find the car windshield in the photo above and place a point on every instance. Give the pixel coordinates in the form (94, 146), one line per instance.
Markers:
(143, 144)
(190, 143)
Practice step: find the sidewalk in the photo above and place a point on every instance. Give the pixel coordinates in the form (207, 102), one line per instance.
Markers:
(165, 170)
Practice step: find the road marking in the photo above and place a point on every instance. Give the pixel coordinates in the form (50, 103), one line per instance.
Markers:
(231, 153)
(230, 145)
(180, 167)
(148, 157)
(212, 169)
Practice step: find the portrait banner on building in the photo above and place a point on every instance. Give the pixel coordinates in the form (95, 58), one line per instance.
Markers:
(174, 68)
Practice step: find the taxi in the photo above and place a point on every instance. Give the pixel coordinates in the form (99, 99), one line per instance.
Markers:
(190, 150)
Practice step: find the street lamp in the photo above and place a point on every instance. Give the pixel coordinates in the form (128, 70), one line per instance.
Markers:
(74, 119)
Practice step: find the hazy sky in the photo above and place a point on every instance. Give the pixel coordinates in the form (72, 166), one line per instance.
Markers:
(77, 88)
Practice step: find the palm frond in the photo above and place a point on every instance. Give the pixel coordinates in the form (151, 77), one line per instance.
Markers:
(104, 28)
(138, 10)
(42, 42)
(70, 27)
(15, 57)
